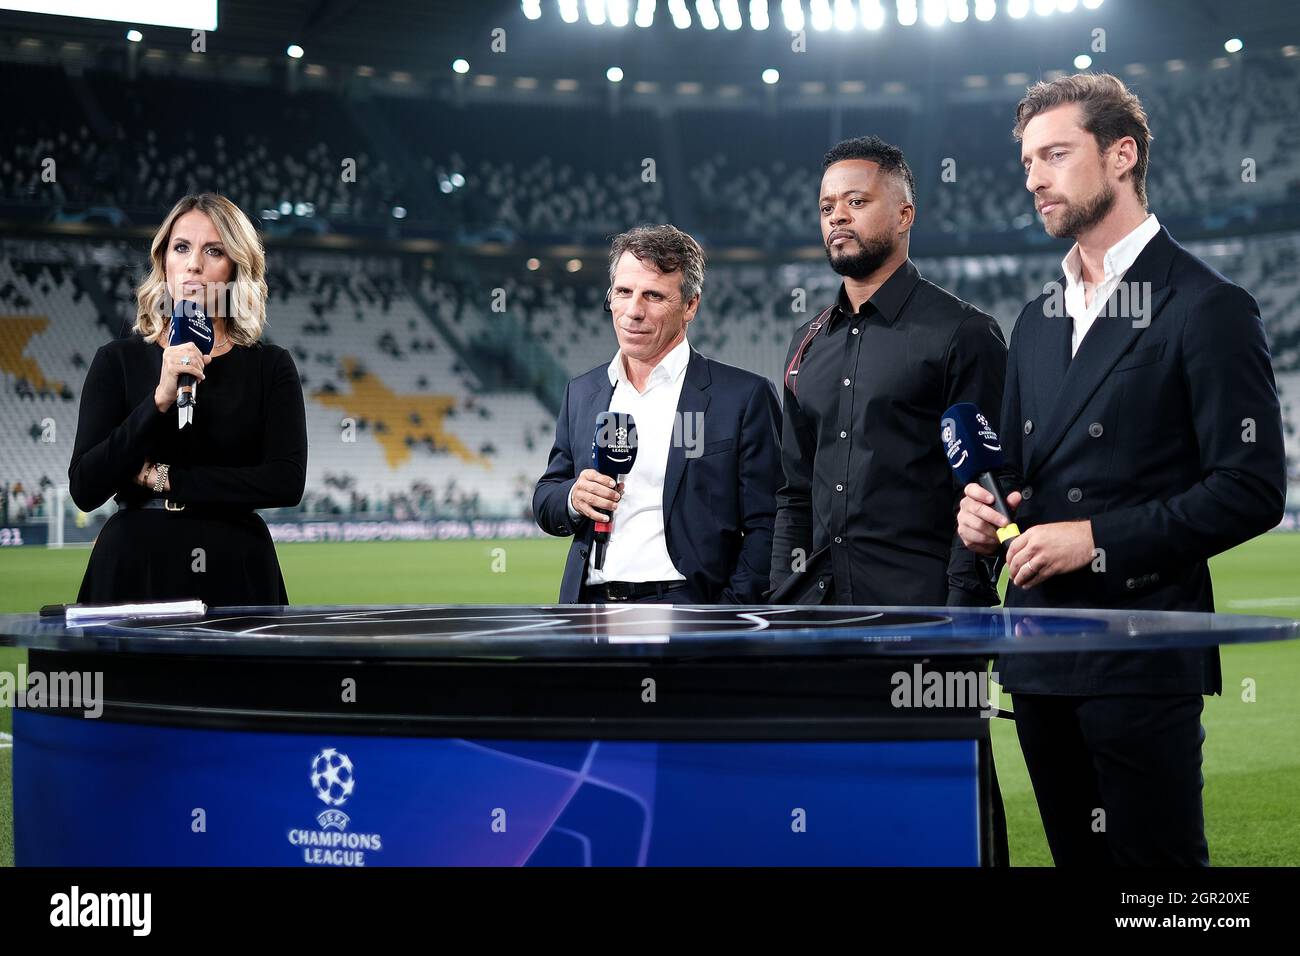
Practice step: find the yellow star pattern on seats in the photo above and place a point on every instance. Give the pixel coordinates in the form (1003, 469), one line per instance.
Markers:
(15, 332)
(374, 401)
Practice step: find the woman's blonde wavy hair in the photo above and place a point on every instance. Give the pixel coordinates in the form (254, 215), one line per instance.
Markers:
(244, 309)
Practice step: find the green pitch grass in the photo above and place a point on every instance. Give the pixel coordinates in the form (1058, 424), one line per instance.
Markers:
(1252, 765)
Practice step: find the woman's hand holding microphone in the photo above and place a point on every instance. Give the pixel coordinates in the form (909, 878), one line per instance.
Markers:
(178, 360)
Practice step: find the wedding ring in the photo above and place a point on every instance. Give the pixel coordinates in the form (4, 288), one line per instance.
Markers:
(185, 360)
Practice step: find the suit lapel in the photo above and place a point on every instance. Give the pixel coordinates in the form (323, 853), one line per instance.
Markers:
(598, 400)
(1051, 359)
(1112, 334)
(694, 400)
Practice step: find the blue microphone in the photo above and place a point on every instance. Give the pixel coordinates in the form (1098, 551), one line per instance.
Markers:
(975, 453)
(189, 324)
(613, 453)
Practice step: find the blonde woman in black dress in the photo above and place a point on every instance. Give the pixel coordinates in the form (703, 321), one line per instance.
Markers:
(185, 525)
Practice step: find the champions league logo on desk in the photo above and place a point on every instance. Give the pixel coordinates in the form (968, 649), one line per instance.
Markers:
(333, 781)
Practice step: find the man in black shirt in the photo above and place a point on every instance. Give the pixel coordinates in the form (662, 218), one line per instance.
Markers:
(865, 387)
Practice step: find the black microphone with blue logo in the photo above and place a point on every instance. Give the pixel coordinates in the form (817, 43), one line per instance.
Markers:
(189, 324)
(613, 453)
(975, 453)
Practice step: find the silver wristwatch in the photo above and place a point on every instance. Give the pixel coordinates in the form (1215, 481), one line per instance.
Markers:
(160, 478)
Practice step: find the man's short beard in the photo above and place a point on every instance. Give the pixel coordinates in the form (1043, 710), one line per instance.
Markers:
(871, 255)
(1081, 218)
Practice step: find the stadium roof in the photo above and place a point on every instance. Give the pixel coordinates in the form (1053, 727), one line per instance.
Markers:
(423, 37)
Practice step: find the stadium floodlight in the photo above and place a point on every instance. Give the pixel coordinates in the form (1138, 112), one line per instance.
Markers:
(614, 74)
(1234, 45)
(907, 12)
(1082, 61)
(399, 212)
(532, 8)
(846, 17)
(681, 16)
(935, 13)
(985, 10)
(135, 36)
(1044, 7)
(569, 11)
(294, 51)
(460, 65)
(792, 15)
(873, 14)
(645, 13)
(457, 180)
(617, 13)
(187, 14)
(595, 12)
(708, 14)
(1092, 4)
(1017, 9)
(286, 208)
(731, 14)
(533, 264)
(1066, 6)
(820, 16)
(573, 265)
(771, 76)
(958, 11)
(758, 19)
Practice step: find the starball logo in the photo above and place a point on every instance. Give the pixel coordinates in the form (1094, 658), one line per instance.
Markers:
(333, 781)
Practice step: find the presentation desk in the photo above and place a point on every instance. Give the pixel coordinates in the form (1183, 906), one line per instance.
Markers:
(587, 735)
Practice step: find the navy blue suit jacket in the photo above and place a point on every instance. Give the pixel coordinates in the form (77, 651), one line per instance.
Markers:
(719, 503)
(1166, 433)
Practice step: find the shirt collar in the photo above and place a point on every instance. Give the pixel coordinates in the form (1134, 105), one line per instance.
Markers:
(1119, 257)
(670, 368)
(889, 299)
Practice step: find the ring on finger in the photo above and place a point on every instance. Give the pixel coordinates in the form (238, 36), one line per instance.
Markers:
(185, 360)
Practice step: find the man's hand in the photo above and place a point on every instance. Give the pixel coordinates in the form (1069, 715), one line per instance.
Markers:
(978, 522)
(1047, 550)
(593, 490)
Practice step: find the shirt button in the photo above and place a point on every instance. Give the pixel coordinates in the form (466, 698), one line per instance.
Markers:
(844, 434)
(1074, 494)
(1130, 584)
(846, 381)
(855, 331)
(1095, 429)
(1027, 492)
(839, 540)
(839, 487)
(1029, 426)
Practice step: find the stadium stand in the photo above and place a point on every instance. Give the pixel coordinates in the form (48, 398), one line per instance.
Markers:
(432, 379)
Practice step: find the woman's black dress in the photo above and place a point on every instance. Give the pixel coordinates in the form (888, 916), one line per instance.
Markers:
(246, 449)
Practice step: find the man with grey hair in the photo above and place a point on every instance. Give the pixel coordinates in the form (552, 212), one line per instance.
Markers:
(692, 522)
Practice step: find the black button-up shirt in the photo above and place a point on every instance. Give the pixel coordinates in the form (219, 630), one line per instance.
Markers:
(865, 470)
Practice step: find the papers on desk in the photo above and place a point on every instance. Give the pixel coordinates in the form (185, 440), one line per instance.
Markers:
(98, 613)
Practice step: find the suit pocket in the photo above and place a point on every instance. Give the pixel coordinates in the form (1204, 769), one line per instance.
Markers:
(717, 447)
(1140, 357)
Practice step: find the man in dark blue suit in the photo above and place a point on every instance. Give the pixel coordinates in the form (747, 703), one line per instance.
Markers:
(1141, 424)
(692, 523)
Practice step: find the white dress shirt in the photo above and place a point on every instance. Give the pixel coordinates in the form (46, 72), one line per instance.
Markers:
(637, 548)
(1118, 259)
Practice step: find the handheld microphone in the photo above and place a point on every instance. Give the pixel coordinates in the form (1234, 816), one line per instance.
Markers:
(975, 453)
(189, 324)
(613, 453)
